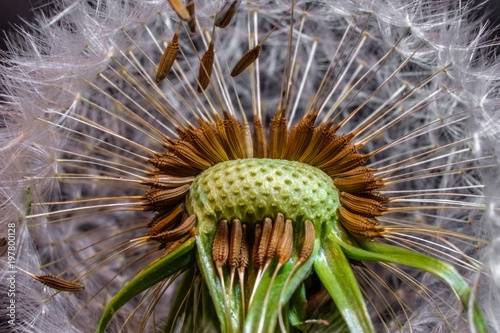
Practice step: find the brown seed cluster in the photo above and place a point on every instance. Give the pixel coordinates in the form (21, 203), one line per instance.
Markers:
(187, 13)
(272, 240)
(168, 58)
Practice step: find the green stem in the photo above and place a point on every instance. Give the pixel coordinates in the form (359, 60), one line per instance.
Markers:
(153, 274)
(335, 272)
(270, 293)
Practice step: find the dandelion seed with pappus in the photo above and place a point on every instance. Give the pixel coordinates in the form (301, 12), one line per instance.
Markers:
(253, 166)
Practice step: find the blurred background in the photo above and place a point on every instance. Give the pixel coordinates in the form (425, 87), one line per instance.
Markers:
(17, 13)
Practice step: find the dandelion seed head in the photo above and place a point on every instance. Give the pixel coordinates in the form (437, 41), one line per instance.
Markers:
(68, 135)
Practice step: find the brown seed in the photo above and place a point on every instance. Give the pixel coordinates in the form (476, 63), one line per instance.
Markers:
(319, 140)
(264, 242)
(163, 221)
(161, 180)
(171, 246)
(245, 61)
(188, 153)
(285, 247)
(168, 58)
(340, 156)
(358, 225)
(256, 244)
(157, 199)
(309, 238)
(335, 144)
(192, 20)
(348, 162)
(170, 163)
(358, 183)
(209, 142)
(226, 13)
(220, 247)
(235, 137)
(206, 65)
(277, 233)
(244, 248)
(235, 243)
(59, 284)
(362, 170)
(259, 139)
(363, 206)
(3, 246)
(173, 235)
(278, 136)
(179, 9)
(300, 137)
(243, 264)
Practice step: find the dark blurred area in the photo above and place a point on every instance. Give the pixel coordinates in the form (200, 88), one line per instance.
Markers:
(14, 12)
(17, 12)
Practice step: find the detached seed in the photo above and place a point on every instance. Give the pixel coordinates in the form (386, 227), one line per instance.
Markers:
(179, 9)
(226, 14)
(168, 58)
(59, 284)
(206, 65)
(192, 20)
(245, 61)
(3, 246)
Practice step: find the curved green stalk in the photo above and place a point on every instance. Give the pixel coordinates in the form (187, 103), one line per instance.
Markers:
(382, 252)
(154, 273)
(211, 278)
(335, 272)
(267, 310)
(297, 306)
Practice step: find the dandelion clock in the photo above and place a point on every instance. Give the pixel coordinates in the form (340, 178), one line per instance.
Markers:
(250, 166)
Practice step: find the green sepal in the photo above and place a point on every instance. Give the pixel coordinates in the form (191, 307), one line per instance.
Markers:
(211, 278)
(382, 252)
(156, 272)
(297, 306)
(263, 313)
(335, 272)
